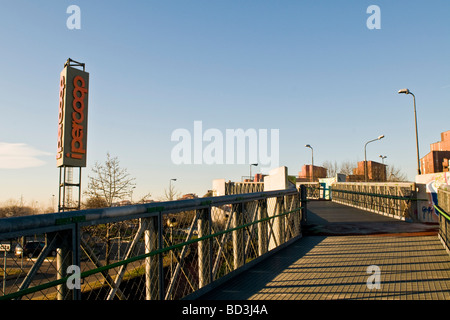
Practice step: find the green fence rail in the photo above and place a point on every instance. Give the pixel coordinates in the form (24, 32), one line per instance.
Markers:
(397, 200)
(162, 251)
(443, 208)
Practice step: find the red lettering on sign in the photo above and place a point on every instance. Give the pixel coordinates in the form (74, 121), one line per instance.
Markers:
(62, 89)
(79, 94)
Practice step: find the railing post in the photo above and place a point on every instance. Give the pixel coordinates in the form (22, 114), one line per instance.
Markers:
(76, 255)
(262, 227)
(303, 204)
(296, 216)
(277, 224)
(237, 235)
(152, 272)
(204, 247)
(64, 256)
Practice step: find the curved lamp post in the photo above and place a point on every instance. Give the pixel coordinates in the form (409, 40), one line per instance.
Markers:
(365, 155)
(312, 161)
(406, 91)
(170, 189)
(253, 164)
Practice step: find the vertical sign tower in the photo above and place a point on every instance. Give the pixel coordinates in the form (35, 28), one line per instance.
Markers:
(72, 131)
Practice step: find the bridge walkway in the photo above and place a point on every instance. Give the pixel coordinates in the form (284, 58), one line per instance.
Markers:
(335, 254)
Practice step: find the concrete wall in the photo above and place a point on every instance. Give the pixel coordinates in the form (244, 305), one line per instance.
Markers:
(427, 186)
(277, 179)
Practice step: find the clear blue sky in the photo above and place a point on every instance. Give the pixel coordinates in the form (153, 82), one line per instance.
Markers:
(311, 69)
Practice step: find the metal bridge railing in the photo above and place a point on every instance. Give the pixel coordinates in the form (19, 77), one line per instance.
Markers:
(313, 190)
(444, 216)
(156, 251)
(392, 199)
(444, 225)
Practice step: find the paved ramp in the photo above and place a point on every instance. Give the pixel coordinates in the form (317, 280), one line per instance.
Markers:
(329, 218)
(412, 262)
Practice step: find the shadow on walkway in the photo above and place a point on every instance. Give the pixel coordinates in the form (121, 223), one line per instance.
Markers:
(329, 261)
(329, 218)
(252, 281)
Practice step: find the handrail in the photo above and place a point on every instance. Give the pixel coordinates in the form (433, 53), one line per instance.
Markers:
(278, 216)
(378, 195)
(441, 211)
(137, 258)
(17, 224)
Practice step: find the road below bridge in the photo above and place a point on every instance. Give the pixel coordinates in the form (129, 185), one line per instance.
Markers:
(338, 255)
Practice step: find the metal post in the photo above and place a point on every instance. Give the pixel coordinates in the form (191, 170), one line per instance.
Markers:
(312, 161)
(237, 235)
(262, 227)
(281, 220)
(365, 156)
(204, 266)
(79, 190)
(303, 204)
(276, 231)
(296, 216)
(59, 190)
(76, 255)
(4, 273)
(152, 278)
(63, 261)
(417, 135)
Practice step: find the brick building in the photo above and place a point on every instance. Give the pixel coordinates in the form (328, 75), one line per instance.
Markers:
(437, 159)
(306, 173)
(376, 172)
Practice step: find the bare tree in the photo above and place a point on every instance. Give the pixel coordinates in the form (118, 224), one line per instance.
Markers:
(394, 174)
(332, 168)
(347, 167)
(145, 198)
(14, 208)
(170, 194)
(109, 182)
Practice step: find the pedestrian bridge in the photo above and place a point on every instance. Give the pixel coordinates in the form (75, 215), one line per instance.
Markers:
(342, 253)
(283, 244)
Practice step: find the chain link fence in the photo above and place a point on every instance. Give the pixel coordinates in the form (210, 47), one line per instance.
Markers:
(157, 251)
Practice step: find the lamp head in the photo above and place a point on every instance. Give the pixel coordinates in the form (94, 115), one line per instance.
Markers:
(381, 137)
(308, 146)
(405, 91)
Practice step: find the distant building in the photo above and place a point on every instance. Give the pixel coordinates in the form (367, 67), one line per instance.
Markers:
(438, 157)
(376, 172)
(259, 177)
(122, 203)
(188, 196)
(305, 175)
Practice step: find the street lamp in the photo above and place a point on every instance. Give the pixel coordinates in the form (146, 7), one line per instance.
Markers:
(406, 91)
(312, 161)
(382, 158)
(365, 155)
(131, 194)
(170, 189)
(253, 164)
